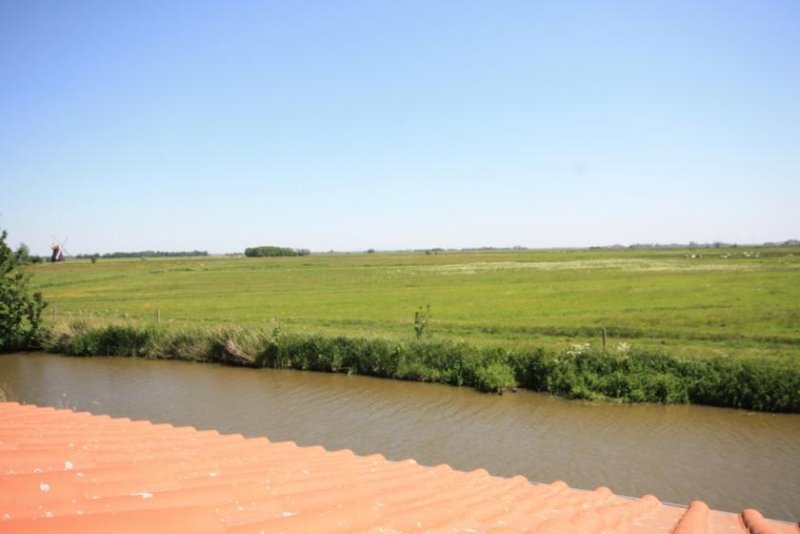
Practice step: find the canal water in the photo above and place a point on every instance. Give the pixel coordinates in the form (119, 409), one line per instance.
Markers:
(732, 459)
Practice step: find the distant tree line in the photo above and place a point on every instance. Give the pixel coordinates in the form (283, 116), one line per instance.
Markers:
(146, 254)
(270, 251)
(715, 244)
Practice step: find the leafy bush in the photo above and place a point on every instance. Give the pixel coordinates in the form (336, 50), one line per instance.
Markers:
(21, 325)
(495, 377)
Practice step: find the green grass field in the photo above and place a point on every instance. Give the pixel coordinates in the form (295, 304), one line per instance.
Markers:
(742, 302)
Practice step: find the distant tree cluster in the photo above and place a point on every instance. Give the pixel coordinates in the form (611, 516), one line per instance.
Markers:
(146, 254)
(23, 255)
(270, 252)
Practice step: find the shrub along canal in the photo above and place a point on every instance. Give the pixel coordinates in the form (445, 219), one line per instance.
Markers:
(732, 459)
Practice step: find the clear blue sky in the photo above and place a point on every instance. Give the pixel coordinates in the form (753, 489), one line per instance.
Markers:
(393, 125)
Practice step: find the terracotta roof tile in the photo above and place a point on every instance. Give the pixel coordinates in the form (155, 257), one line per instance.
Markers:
(62, 471)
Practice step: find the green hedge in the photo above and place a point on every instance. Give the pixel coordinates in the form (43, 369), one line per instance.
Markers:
(582, 373)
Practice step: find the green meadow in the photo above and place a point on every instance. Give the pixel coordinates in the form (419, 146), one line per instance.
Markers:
(715, 326)
(701, 301)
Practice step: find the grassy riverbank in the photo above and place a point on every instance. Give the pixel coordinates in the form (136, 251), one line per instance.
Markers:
(709, 325)
(579, 372)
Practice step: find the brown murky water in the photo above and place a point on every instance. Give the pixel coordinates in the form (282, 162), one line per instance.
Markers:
(729, 458)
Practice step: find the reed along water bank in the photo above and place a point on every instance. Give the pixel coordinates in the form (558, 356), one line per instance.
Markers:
(622, 374)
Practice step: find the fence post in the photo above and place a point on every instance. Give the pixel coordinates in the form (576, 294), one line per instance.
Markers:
(158, 315)
(604, 339)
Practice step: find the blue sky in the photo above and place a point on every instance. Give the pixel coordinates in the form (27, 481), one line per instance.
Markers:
(396, 125)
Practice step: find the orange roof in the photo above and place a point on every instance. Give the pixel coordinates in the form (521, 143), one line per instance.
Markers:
(62, 471)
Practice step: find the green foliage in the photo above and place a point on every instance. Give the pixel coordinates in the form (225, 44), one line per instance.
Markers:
(21, 325)
(22, 254)
(495, 377)
(443, 362)
(629, 377)
(421, 319)
(580, 372)
(276, 328)
(272, 252)
(647, 376)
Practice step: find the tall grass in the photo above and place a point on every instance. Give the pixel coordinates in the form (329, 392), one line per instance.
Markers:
(626, 375)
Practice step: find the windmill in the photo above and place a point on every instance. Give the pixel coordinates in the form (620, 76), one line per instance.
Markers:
(59, 251)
